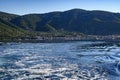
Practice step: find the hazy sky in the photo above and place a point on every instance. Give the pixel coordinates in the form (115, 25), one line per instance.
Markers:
(42, 6)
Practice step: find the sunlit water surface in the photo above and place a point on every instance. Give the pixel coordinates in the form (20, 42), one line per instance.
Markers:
(77, 60)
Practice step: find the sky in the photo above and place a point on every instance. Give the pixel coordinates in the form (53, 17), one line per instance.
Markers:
(22, 7)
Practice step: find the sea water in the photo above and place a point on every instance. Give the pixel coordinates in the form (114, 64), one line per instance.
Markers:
(75, 60)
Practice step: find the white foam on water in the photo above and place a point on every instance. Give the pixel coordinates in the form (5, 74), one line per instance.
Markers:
(41, 65)
(36, 71)
(37, 62)
(19, 63)
(1, 69)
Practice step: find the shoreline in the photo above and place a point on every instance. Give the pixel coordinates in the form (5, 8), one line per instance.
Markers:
(55, 41)
(51, 39)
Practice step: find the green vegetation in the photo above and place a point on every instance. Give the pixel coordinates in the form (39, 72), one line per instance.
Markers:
(72, 23)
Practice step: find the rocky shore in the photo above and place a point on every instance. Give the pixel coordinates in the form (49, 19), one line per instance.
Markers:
(63, 38)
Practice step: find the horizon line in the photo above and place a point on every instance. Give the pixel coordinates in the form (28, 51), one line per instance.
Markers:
(58, 11)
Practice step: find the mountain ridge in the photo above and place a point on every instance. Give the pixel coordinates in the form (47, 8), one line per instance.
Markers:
(93, 22)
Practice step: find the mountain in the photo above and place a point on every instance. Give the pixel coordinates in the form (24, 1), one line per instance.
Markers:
(7, 29)
(76, 20)
(7, 16)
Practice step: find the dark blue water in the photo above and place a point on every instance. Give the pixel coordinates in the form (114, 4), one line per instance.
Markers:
(78, 60)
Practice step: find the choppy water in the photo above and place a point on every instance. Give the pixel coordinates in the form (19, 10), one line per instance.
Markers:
(78, 60)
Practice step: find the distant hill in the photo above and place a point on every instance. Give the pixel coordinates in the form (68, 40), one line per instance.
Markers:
(75, 20)
(9, 30)
(7, 16)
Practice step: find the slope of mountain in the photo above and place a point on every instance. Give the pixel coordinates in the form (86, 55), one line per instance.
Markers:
(75, 20)
(8, 30)
(7, 16)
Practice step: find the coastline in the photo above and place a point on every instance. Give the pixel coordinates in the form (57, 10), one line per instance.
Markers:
(55, 40)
